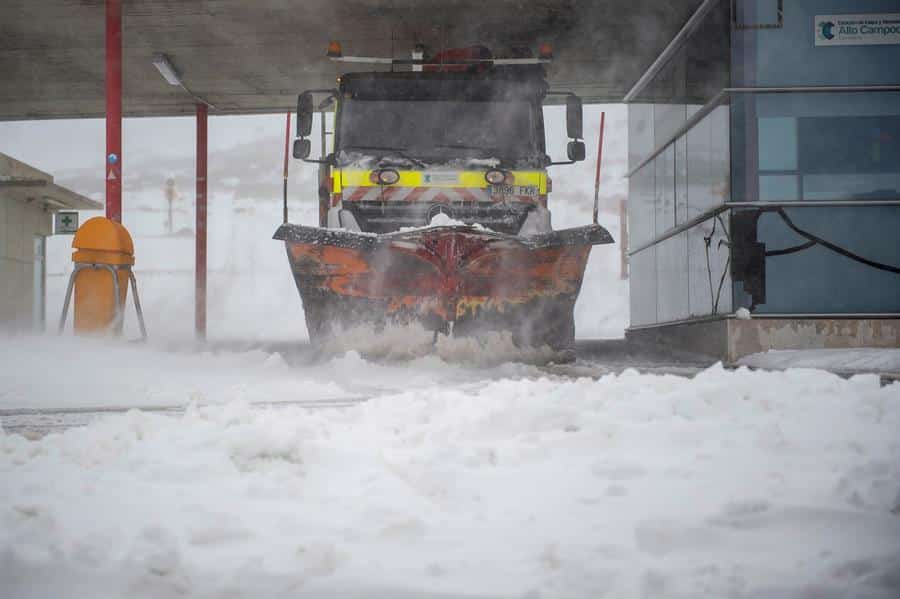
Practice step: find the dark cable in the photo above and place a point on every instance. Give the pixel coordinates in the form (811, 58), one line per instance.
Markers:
(714, 299)
(721, 282)
(707, 241)
(834, 248)
(727, 243)
(791, 250)
(724, 231)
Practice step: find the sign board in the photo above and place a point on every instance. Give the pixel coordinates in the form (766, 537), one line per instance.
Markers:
(857, 30)
(65, 222)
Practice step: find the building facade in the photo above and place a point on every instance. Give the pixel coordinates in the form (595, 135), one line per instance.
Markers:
(764, 179)
(28, 199)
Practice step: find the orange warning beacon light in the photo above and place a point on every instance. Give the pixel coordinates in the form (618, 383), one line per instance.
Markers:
(334, 49)
(545, 50)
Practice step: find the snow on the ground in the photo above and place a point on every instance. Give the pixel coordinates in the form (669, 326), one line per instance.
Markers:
(859, 359)
(86, 373)
(47, 372)
(454, 481)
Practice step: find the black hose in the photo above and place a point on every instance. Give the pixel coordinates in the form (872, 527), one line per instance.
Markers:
(714, 299)
(792, 249)
(815, 240)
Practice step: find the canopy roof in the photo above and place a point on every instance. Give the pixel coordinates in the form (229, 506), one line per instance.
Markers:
(20, 181)
(251, 57)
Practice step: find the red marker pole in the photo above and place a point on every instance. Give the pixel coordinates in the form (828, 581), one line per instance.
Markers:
(287, 145)
(599, 159)
(200, 237)
(114, 110)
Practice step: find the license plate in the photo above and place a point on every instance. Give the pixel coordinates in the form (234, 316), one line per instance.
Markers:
(514, 190)
(440, 178)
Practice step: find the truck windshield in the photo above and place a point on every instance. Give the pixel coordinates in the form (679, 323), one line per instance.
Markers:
(442, 130)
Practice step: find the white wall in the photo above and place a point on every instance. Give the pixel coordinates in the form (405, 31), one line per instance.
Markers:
(20, 222)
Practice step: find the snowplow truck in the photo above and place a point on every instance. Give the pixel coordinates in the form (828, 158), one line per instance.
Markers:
(433, 205)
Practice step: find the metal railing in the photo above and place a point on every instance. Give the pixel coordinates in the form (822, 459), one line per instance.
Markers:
(716, 210)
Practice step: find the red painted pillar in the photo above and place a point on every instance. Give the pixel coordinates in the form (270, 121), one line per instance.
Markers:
(200, 252)
(114, 110)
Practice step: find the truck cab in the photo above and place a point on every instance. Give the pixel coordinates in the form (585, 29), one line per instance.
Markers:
(468, 144)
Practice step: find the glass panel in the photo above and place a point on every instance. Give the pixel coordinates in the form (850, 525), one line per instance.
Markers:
(437, 130)
(720, 154)
(850, 185)
(708, 163)
(665, 190)
(709, 281)
(672, 279)
(780, 188)
(744, 152)
(699, 167)
(700, 68)
(641, 206)
(867, 144)
(681, 176)
(642, 287)
(706, 56)
(661, 194)
(694, 74)
(667, 118)
(841, 145)
(818, 280)
(778, 144)
(640, 133)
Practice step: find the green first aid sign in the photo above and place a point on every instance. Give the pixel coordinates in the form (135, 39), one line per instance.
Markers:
(65, 222)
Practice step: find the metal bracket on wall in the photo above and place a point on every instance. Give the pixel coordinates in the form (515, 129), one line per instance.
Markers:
(742, 26)
(748, 255)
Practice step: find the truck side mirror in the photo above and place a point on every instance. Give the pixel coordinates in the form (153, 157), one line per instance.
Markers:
(302, 148)
(575, 151)
(304, 115)
(574, 117)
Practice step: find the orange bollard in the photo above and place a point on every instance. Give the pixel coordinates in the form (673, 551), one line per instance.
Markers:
(103, 259)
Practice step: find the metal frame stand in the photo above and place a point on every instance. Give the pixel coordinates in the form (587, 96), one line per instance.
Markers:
(119, 317)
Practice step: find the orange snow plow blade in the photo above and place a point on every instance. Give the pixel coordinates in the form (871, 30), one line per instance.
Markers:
(459, 280)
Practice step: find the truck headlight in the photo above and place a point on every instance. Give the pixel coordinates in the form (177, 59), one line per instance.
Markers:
(387, 176)
(495, 177)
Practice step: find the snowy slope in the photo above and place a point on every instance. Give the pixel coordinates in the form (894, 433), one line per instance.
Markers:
(450, 480)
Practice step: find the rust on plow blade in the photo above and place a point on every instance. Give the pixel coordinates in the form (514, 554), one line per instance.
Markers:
(459, 280)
